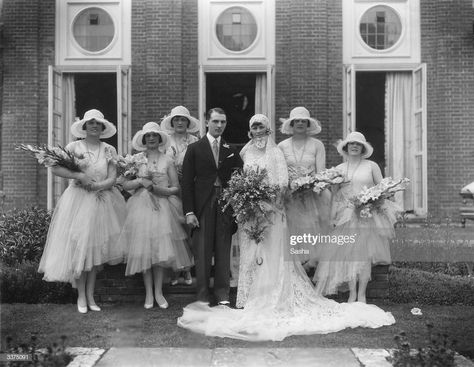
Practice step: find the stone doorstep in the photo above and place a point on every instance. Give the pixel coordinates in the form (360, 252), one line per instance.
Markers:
(294, 357)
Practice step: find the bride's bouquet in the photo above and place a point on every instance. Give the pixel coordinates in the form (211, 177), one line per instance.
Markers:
(303, 180)
(53, 156)
(251, 199)
(371, 199)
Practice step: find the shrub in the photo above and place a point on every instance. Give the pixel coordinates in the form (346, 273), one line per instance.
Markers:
(23, 235)
(21, 283)
(412, 285)
(438, 352)
(53, 356)
(453, 269)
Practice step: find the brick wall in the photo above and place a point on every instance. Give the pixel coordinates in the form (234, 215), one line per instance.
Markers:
(448, 50)
(309, 65)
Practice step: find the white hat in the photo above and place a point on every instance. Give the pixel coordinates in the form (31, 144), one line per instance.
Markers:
(194, 123)
(149, 127)
(302, 114)
(355, 137)
(77, 127)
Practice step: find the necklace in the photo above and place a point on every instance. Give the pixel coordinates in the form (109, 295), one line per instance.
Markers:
(353, 172)
(93, 153)
(294, 151)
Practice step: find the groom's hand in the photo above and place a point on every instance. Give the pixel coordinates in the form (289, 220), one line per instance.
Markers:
(192, 221)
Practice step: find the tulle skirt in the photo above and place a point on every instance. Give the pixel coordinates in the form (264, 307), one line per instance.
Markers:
(84, 232)
(308, 213)
(367, 243)
(154, 233)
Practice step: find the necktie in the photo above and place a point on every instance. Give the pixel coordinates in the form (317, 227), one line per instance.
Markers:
(215, 150)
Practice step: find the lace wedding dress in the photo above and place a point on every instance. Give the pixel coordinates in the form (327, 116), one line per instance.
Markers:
(277, 297)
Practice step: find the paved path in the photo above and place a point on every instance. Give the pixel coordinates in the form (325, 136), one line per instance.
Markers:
(239, 357)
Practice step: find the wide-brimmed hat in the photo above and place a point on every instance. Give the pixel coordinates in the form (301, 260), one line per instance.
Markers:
(149, 127)
(77, 127)
(355, 137)
(300, 113)
(194, 123)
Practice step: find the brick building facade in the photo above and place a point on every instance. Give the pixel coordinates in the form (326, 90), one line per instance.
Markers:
(306, 63)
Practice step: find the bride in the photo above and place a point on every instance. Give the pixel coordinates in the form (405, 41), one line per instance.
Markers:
(277, 297)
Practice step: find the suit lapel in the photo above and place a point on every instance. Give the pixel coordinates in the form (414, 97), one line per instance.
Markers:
(207, 149)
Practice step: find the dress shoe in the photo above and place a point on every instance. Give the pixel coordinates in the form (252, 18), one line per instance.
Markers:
(163, 304)
(148, 306)
(224, 303)
(173, 282)
(94, 308)
(188, 280)
(82, 309)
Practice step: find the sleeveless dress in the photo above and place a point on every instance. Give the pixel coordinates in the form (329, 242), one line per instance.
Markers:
(85, 225)
(277, 297)
(307, 212)
(339, 264)
(153, 231)
(176, 150)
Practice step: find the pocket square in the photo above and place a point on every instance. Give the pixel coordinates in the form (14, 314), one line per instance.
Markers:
(229, 156)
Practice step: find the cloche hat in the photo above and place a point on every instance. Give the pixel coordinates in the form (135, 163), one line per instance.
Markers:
(77, 127)
(194, 123)
(149, 127)
(355, 137)
(303, 114)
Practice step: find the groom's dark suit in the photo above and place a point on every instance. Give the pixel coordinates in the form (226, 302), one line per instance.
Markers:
(200, 193)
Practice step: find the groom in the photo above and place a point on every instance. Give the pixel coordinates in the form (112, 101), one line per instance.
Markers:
(207, 167)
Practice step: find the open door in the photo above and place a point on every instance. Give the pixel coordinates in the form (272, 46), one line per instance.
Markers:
(419, 134)
(349, 124)
(56, 185)
(123, 110)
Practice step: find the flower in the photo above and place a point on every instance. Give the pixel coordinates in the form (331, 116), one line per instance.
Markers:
(302, 179)
(129, 165)
(54, 156)
(373, 198)
(416, 311)
(251, 199)
(226, 145)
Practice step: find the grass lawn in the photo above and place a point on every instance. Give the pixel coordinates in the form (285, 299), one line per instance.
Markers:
(121, 325)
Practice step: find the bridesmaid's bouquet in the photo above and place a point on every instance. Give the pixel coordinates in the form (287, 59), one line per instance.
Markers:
(252, 200)
(53, 156)
(305, 180)
(371, 199)
(129, 165)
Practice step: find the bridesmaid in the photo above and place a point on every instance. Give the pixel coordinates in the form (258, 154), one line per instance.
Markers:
(351, 263)
(88, 218)
(307, 212)
(180, 126)
(153, 230)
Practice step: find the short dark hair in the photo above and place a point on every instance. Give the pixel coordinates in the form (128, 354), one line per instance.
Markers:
(172, 125)
(144, 142)
(216, 110)
(292, 122)
(101, 123)
(344, 148)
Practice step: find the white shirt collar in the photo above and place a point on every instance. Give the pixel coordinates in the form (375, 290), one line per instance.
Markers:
(211, 139)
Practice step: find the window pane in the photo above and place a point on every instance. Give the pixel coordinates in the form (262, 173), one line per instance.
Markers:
(93, 29)
(236, 29)
(380, 27)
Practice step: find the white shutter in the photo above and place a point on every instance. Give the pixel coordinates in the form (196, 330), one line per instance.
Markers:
(123, 110)
(419, 134)
(349, 100)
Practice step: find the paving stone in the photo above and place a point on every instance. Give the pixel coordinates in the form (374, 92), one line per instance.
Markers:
(293, 357)
(85, 357)
(372, 357)
(148, 357)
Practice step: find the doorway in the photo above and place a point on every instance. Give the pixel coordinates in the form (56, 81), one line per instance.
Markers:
(235, 93)
(99, 91)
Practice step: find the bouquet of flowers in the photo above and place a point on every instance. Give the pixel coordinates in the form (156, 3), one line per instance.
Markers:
(53, 156)
(372, 198)
(129, 165)
(305, 180)
(250, 197)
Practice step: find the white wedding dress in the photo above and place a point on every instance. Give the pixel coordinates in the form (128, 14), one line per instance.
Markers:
(277, 297)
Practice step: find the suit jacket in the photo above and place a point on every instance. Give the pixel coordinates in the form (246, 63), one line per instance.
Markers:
(200, 173)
